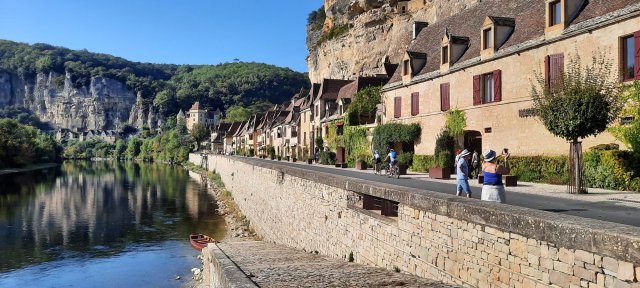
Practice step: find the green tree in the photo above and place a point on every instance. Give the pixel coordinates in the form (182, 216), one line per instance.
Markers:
(629, 133)
(363, 108)
(199, 132)
(120, 148)
(583, 104)
(237, 114)
(133, 147)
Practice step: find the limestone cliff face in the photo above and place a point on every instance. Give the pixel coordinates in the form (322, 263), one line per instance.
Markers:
(102, 105)
(376, 31)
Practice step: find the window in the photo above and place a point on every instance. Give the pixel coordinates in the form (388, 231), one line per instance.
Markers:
(487, 88)
(628, 59)
(305, 137)
(415, 103)
(488, 39)
(444, 97)
(405, 67)
(555, 13)
(445, 54)
(404, 9)
(397, 106)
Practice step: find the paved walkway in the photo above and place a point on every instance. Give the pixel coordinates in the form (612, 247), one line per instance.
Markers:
(612, 206)
(271, 265)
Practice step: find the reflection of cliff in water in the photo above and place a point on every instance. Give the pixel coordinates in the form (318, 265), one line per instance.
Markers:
(98, 208)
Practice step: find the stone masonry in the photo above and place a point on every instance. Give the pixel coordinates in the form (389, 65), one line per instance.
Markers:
(438, 236)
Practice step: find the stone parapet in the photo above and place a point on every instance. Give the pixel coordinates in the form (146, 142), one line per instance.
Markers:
(438, 236)
(222, 272)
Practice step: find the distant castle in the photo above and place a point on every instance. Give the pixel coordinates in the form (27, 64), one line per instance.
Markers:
(197, 115)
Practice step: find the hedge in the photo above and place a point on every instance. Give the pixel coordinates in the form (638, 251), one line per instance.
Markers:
(612, 169)
(388, 134)
(540, 169)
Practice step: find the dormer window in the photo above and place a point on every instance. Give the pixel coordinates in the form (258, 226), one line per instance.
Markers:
(405, 68)
(445, 55)
(487, 36)
(555, 13)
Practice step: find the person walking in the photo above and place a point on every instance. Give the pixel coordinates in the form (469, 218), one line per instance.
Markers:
(492, 187)
(475, 164)
(462, 174)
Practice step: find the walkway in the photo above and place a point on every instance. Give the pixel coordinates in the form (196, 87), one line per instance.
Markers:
(611, 206)
(271, 265)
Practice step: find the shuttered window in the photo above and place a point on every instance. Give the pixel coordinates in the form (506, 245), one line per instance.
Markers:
(445, 100)
(636, 48)
(415, 103)
(554, 68)
(487, 88)
(397, 107)
(630, 60)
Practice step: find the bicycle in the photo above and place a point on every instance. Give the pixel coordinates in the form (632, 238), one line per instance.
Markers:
(377, 168)
(393, 172)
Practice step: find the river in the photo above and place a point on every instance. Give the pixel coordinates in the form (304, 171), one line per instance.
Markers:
(103, 224)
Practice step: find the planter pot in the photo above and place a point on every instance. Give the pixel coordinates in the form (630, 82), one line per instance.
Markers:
(294, 160)
(273, 158)
(439, 173)
(309, 161)
(361, 165)
(402, 169)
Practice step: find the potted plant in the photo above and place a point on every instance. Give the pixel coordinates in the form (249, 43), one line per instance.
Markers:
(309, 160)
(287, 158)
(279, 158)
(404, 160)
(361, 164)
(440, 168)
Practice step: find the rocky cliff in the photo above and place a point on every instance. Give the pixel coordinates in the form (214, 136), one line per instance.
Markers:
(102, 105)
(377, 32)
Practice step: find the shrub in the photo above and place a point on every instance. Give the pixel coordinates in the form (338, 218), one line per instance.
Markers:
(612, 169)
(456, 122)
(444, 160)
(319, 142)
(327, 158)
(335, 32)
(405, 158)
(445, 143)
(541, 169)
(386, 135)
(422, 163)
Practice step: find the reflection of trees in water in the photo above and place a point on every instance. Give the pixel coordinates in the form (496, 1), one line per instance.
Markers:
(94, 204)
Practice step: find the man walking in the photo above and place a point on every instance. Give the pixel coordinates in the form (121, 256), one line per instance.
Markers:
(462, 174)
(475, 164)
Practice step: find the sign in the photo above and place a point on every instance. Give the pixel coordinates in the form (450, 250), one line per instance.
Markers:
(526, 113)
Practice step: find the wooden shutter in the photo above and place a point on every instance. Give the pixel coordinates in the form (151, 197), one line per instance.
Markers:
(397, 102)
(444, 97)
(546, 71)
(497, 86)
(415, 104)
(636, 55)
(556, 69)
(477, 99)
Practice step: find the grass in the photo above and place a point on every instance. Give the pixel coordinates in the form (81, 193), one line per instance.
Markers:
(335, 32)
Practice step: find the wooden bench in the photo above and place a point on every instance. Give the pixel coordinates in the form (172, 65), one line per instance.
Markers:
(508, 180)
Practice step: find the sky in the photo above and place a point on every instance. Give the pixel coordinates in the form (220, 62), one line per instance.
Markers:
(166, 31)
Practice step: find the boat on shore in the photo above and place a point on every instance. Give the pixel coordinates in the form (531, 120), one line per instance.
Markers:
(200, 241)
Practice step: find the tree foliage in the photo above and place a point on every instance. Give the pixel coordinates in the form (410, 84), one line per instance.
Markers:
(199, 132)
(456, 122)
(22, 145)
(583, 104)
(629, 133)
(384, 136)
(237, 114)
(364, 105)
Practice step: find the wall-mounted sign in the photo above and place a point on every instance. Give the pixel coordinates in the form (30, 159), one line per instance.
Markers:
(487, 130)
(526, 113)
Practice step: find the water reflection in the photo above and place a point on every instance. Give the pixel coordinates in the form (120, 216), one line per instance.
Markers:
(97, 209)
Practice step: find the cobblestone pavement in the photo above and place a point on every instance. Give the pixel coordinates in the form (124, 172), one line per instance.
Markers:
(271, 265)
(606, 205)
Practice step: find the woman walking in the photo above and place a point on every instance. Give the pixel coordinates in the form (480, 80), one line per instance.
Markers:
(492, 188)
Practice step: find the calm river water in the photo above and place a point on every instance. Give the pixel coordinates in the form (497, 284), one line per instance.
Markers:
(102, 224)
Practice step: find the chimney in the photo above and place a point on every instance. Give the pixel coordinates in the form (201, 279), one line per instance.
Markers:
(417, 27)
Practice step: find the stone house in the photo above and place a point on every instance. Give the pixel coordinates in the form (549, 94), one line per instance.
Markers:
(307, 126)
(346, 93)
(218, 135)
(325, 105)
(228, 142)
(197, 114)
(484, 59)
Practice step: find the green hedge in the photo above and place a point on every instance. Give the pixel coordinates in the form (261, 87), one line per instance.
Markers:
(422, 163)
(612, 169)
(327, 158)
(386, 135)
(540, 169)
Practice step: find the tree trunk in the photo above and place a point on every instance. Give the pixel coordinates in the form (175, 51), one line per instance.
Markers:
(576, 169)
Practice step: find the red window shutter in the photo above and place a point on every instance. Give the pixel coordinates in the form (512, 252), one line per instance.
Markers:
(477, 100)
(444, 97)
(547, 64)
(497, 86)
(415, 104)
(447, 96)
(397, 112)
(636, 62)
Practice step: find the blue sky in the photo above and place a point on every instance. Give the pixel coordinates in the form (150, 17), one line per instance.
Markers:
(163, 31)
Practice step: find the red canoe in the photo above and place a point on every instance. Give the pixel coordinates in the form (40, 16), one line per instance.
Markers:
(199, 241)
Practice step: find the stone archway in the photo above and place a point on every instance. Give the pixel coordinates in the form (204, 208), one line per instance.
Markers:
(473, 141)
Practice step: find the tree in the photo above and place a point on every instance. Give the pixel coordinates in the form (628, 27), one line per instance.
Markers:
(237, 114)
(363, 108)
(199, 132)
(629, 133)
(133, 147)
(121, 147)
(582, 104)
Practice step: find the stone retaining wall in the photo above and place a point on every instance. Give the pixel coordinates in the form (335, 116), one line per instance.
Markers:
(438, 236)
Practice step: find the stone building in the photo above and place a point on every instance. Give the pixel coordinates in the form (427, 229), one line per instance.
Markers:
(325, 104)
(484, 59)
(197, 115)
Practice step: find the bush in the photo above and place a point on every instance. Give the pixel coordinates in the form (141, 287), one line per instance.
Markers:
(319, 142)
(422, 163)
(445, 143)
(444, 160)
(386, 135)
(327, 158)
(405, 158)
(541, 169)
(612, 169)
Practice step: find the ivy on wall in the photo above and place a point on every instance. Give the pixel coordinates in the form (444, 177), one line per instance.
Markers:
(386, 135)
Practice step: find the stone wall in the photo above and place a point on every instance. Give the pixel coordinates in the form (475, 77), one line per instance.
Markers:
(438, 236)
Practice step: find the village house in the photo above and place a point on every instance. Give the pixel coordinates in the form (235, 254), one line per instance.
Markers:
(307, 128)
(197, 114)
(483, 61)
(326, 106)
(228, 142)
(218, 134)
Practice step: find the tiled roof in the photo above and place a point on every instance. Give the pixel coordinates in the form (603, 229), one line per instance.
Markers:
(196, 106)
(360, 83)
(529, 25)
(330, 88)
(235, 126)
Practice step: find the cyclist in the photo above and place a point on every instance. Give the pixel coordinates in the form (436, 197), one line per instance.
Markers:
(377, 160)
(392, 159)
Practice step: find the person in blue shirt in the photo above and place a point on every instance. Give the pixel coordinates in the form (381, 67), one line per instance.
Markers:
(462, 174)
(392, 158)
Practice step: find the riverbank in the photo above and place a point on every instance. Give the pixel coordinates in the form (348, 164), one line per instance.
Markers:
(28, 168)
(237, 226)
